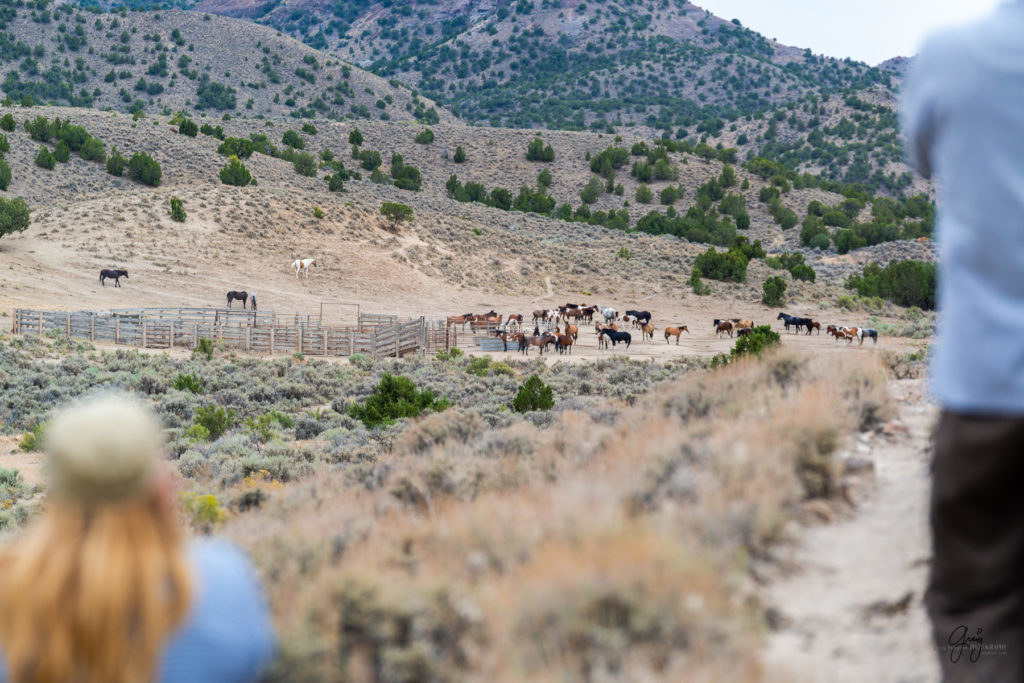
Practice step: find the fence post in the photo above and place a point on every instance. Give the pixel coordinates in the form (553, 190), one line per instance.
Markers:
(272, 340)
(117, 330)
(298, 338)
(351, 341)
(40, 322)
(398, 340)
(170, 335)
(67, 325)
(373, 343)
(92, 327)
(248, 338)
(325, 341)
(195, 335)
(143, 334)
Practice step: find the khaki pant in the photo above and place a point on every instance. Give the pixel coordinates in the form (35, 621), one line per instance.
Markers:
(975, 595)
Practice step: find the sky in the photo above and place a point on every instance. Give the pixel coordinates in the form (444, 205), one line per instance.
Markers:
(867, 30)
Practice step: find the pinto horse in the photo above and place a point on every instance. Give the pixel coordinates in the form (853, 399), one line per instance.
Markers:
(240, 296)
(675, 332)
(115, 274)
(303, 265)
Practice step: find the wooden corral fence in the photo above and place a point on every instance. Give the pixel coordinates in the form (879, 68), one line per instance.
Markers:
(254, 331)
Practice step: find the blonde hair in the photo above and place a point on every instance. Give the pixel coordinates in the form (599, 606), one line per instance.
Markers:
(92, 591)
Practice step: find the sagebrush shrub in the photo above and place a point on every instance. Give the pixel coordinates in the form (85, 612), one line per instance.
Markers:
(177, 210)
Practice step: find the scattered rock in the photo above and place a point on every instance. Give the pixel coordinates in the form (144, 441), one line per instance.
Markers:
(855, 465)
(886, 608)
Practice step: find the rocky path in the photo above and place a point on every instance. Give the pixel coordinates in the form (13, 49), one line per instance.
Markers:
(849, 605)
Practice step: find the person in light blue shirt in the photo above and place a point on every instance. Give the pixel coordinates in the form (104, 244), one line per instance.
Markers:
(102, 587)
(963, 117)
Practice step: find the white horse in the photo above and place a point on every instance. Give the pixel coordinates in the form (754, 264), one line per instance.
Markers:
(302, 266)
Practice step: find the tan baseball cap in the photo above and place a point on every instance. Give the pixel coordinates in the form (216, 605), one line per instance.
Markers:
(103, 449)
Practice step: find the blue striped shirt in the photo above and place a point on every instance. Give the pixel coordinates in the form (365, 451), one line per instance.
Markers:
(227, 635)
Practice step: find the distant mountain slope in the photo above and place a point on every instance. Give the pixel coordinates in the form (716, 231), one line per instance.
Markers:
(170, 60)
(565, 64)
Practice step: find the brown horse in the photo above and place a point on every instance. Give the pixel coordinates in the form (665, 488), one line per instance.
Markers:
(564, 343)
(572, 313)
(724, 326)
(816, 326)
(573, 330)
(588, 313)
(647, 331)
(742, 323)
(460, 319)
(675, 332)
(540, 340)
(506, 337)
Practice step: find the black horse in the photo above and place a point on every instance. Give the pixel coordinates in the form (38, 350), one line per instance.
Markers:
(616, 337)
(788, 320)
(116, 275)
(241, 296)
(252, 302)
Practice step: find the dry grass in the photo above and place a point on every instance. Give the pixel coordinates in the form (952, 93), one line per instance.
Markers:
(597, 551)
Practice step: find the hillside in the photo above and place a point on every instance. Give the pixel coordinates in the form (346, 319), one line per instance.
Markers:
(569, 65)
(172, 60)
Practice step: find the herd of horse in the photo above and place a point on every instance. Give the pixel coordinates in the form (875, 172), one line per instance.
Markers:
(298, 266)
(607, 321)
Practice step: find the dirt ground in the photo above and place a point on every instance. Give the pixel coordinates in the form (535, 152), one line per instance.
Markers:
(850, 605)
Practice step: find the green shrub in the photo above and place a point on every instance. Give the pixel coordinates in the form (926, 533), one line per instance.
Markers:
(5, 175)
(450, 354)
(177, 210)
(293, 139)
(803, 272)
(644, 194)
(537, 151)
(760, 338)
(728, 266)
(215, 420)
(204, 348)
(425, 136)
(479, 366)
(305, 164)
(309, 129)
(235, 173)
(14, 215)
(533, 395)
(39, 129)
(335, 182)
(144, 169)
(7, 123)
(395, 397)
(191, 382)
(32, 440)
(907, 283)
(624, 254)
(318, 213)
(355, 137)
(237, 147)
(61, 152)
(396, 213)
(699, 288)
(773, 291)
(93, 150)
(115, 163)
(189, 128)
(44, 158)
(370, 159)
(460, 155)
